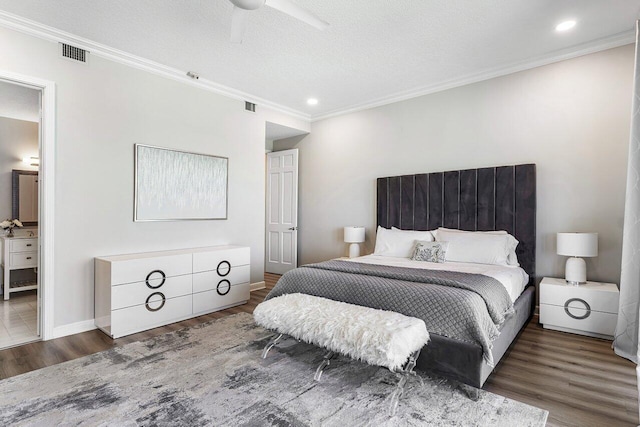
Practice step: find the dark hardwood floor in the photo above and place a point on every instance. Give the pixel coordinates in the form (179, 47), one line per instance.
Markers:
(579, 380)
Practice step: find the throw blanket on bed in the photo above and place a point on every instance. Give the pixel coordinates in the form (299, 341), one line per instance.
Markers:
(467, 307)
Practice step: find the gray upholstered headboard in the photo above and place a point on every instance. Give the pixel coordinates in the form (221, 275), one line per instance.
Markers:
(497, 198)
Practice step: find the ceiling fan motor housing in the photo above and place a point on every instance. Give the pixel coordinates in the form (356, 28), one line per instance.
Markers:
(248, 4)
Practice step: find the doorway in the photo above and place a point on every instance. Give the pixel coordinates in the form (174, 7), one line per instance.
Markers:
(281, 225)
(20, 108)
(31, 186)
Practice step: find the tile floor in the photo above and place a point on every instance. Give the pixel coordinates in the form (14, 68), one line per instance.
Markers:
(18, 319)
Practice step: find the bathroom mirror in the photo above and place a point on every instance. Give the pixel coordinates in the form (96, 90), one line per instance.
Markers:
(25, 196)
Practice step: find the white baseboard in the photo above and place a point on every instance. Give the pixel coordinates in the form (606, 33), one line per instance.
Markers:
(74, 328)
(257, 286)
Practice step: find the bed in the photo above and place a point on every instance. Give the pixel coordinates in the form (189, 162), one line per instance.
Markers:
(486, 199)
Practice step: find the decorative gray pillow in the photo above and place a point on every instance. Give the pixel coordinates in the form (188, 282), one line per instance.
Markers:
(429, 251)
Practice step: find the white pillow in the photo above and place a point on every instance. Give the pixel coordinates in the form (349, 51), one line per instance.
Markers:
(398, 243)
(479, 248)
(425, 236)
(512, 258)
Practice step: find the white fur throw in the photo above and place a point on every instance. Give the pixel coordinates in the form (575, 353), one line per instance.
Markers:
(378, 337)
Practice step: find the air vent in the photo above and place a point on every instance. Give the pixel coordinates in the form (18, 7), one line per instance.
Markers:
(250, 106)
(74, 53)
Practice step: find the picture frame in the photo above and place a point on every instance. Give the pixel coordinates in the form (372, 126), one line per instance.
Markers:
(176, 185)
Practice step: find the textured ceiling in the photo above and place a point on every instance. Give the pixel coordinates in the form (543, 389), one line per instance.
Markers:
(373, 49)
(19, 102)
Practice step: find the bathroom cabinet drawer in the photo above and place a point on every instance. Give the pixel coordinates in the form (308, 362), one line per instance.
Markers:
(24, 245)
(24, 259)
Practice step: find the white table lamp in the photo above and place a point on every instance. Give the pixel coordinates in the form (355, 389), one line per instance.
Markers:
(575, 246)
(355, 236)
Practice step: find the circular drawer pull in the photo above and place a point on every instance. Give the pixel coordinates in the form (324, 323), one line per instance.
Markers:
(228, 287)
(226, 268)
(164, 279)
(586, 307)
(148, 307)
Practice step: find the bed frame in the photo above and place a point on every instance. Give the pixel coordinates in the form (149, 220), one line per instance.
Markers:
(495, 198)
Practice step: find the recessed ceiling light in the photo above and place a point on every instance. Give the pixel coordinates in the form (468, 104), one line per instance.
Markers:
(312, 101)
(566, 25)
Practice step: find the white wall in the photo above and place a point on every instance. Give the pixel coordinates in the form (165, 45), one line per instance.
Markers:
(102, 110)
(570, 118)
(19, 102)
(18, 139)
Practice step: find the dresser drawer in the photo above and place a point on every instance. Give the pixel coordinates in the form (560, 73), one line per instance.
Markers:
(577, 318)
(151, 268)
(597, 300)
(137, 293)
(24, 245)
(24, 259)
(220, 260)
(209, 280)
(208, 301)
(141, 317)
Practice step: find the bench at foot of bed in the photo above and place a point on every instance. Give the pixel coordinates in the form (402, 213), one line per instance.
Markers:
(377, 337)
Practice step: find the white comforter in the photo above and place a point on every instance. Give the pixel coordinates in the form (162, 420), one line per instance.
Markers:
(514, 279)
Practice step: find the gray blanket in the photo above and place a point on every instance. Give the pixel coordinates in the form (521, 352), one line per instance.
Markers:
(463, 306)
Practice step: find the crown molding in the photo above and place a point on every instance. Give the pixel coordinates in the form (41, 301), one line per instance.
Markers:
(45, 32)
(594, 46)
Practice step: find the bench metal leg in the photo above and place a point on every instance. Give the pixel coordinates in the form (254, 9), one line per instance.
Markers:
(396, 395)
(326, 361)
(270, 345)
(404, 375)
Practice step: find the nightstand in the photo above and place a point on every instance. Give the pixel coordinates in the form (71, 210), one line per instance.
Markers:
(590, 309)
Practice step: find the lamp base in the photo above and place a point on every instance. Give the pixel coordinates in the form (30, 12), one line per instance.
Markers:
(575, 271)
(354, 250)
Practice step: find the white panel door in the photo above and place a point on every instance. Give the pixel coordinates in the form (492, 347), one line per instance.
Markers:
(282, 212)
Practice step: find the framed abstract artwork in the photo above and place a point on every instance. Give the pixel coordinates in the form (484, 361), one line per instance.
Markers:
(172, 185)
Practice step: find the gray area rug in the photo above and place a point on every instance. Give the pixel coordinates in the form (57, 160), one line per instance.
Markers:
(212, 375)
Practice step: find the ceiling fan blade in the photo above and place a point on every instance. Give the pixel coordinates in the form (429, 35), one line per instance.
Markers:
(238, 24)
(292, 9)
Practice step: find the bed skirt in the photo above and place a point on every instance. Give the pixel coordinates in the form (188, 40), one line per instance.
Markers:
(463, 361)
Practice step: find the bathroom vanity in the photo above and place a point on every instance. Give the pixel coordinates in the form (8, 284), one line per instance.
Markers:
(18, 252)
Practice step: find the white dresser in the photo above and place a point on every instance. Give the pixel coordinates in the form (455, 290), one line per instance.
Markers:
(590, 309)
(17, 253)
(142, 291)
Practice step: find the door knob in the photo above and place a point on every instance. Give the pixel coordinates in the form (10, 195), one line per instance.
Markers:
(293, 228)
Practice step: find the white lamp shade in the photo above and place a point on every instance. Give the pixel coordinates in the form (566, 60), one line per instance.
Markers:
(354, 234)
(577, 244)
